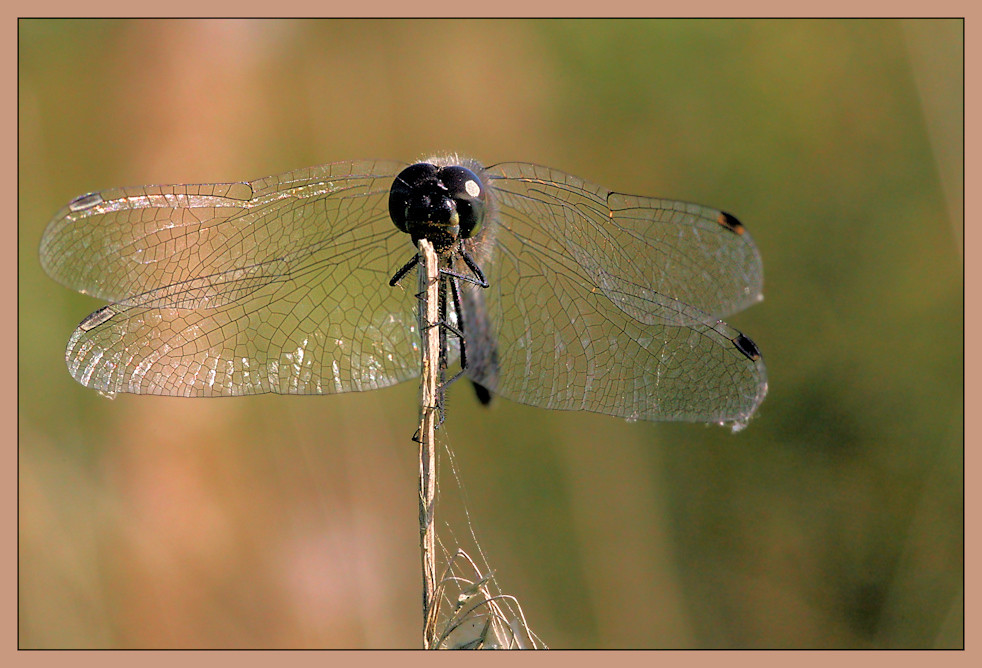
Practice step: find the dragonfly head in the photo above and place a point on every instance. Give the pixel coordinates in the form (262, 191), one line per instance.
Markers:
(442, 204)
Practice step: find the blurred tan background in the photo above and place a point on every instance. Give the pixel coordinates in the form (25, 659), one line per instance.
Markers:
(834, 520)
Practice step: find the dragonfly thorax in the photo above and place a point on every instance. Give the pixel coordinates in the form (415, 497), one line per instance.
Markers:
(441, 204)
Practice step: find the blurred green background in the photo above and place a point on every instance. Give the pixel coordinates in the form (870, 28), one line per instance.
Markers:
(834, 520)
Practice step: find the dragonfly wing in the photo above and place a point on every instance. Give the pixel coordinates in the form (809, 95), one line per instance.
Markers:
(608, 303)
(279, 285)
(701, 256)
(204, 242)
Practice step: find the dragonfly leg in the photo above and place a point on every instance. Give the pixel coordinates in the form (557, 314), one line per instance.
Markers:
(405, 270)
(455, 296)
(481, 280)
(478, 275)
(451, 279)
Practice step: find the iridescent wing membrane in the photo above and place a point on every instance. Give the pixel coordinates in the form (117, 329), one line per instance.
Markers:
(610, 303)
(279, 285)
(598, 301)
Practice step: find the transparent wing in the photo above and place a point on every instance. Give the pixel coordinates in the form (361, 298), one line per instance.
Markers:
(278, 285)
(610, 303)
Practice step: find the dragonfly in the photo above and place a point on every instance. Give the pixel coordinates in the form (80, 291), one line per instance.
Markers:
(556, 292)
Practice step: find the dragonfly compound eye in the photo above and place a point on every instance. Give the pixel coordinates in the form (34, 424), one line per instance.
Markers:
(468, 194)
(408, 193)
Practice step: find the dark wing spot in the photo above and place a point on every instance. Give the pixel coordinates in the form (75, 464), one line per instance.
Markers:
(747, 347)
(483, 394)
(730, 222)
(85, 202)
(95, 319)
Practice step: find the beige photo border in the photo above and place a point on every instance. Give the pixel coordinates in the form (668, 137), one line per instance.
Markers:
(897, 8)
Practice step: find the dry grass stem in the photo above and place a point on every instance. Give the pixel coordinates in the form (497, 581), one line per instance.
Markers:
(429, 414)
